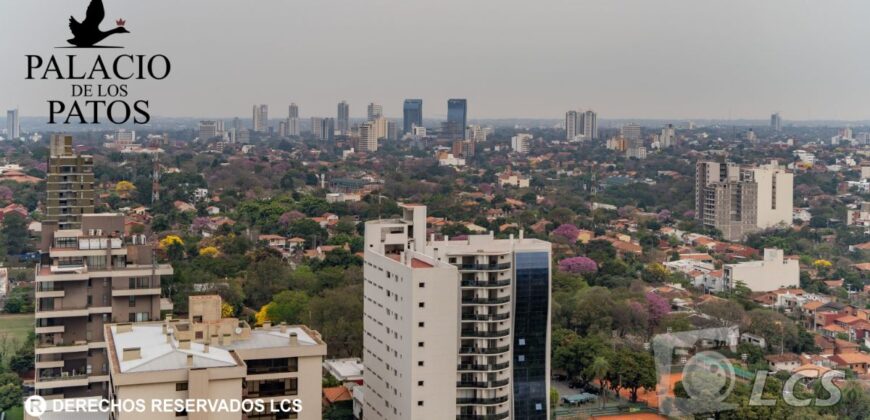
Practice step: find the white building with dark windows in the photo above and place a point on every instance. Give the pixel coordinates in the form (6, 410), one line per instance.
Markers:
(454, 328)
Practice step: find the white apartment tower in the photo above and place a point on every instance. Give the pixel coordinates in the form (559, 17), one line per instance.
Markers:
(454, 328)
(375, 111)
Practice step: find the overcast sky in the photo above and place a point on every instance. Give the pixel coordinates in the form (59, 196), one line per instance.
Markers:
(510, 58)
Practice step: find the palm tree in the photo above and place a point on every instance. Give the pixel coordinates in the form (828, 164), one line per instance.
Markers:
(600, 367)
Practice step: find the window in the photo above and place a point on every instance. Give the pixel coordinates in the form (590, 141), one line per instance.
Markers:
(421, 324)
(420, 363)
(422, 284)
(421, 304)
(182, 413)
(419, 383)
(181, 386)
(420, 344)
(419, 403)
(132, 301)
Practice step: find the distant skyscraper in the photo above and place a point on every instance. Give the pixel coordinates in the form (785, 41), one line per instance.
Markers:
(631, 132)
(13, 129)
(207, 130)
(316, 126)
(368, 137)
(776, 122)
(261, 118)
(293, 128)
(327, 129)
(375, 111)
(413, 114)
(343, 120)
(589, 125)
(668, 137)
(457, 117)
(571, 120)
(237, 124)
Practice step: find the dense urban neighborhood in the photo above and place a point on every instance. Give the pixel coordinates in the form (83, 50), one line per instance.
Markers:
(417, 268)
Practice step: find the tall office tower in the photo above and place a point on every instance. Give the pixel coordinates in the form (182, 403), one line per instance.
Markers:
(457, 118)
(631, 132)
(668, 137)
(88, 276)
(368, 137)
(412, 111)
(208, 129)
(588, 125)
(13, 129)
(208, 357)
(69, 184)
(237, 124)
(294, 110)
(375, 111)
(572, 118)
(342, 121)
(261, 118)
(327, 129)
(520, 142)
(454, 329)
(726, 199)
(776, 121)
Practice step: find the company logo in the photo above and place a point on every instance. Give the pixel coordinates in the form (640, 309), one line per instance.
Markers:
(35, 406)
(87, 33)
(101, 88)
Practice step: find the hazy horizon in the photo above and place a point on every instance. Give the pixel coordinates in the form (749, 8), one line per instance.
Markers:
(626, 59)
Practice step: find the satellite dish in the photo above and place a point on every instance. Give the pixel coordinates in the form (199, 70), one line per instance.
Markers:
(238, 330)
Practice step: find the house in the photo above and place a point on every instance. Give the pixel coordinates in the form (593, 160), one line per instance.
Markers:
(13, 208)
(274, 241)
(786, 361)
(336, 395)
(753, 339)
(345, 370)
(212, 210)
(858, 362)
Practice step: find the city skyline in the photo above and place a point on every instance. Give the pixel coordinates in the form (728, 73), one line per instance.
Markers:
(696, 70)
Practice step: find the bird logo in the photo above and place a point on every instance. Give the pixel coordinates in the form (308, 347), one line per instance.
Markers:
(87, 33)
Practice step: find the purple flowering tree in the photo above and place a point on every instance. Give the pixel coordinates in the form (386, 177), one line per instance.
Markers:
(567, 233)
(657, 307)
(578, 265)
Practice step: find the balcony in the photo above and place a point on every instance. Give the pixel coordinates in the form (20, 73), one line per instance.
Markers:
(490, 283)
(53, 329)
(481, 401)
(486, 301)
(484, 267)
(62, 313)
(50, 293)
(137, 291)
(79, 346)
(49, 364)
(64, 380)
(497, 416)
(470, 333)
(492, 367)
(484, 350)
(485, 317)
(486, 384)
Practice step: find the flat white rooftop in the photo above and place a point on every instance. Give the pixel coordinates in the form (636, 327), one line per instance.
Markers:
(157, 354)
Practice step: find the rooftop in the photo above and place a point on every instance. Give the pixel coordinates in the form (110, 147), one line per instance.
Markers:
(157, 353)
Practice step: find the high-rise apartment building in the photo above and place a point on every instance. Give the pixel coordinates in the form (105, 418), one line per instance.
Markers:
(412, 111)
(520, 142)
(88, 276)
(316, 127)
(207, 357)
(69, 184)
(776, 122)
(208, 130)
(368, 137)
(668, 138)
(741, 200)
(582, 124)
(327, 129)
(374, 111)
(457, 118)
(293, 126)
(13, 128)
(454, 329)
(261, 118)
(571, 125)
(631, 132)
(342, 122)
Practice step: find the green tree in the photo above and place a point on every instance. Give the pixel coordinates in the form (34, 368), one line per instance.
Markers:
(15, 234)
(289, 306)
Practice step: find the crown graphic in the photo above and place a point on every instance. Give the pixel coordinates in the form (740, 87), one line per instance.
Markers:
(120, 22)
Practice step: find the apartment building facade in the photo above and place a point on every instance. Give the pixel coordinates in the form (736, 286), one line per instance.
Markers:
(87, 278)
(741, 200)
(454, 329)
(209, 357)
(69, 183)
